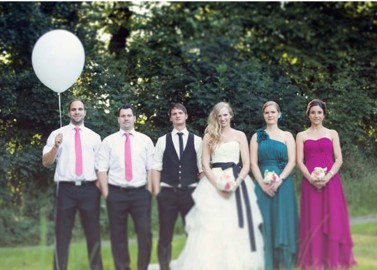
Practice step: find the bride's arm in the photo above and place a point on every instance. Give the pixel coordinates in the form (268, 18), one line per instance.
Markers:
(206, 161)
(244, 148)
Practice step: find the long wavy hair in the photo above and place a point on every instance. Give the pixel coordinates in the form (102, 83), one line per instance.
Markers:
(213, 128)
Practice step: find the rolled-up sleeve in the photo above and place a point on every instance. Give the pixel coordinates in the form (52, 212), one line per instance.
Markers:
(150, 153)
(103, 157)
(158, 154)
(198, 142)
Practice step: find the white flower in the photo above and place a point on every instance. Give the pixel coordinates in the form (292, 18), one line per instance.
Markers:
(318, 173)
(226, 182)
(270, 177)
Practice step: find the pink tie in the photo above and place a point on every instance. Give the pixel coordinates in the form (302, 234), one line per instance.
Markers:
(127, 157)
(78, 152)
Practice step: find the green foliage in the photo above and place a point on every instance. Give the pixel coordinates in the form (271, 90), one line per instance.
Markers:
(150, 54)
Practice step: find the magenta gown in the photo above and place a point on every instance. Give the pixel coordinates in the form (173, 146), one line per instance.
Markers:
(325, 238)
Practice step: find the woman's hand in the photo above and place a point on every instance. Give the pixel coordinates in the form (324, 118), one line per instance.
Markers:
(276, 185)
(224, 194)
(321, 184)
(316, 183)
(268, 189)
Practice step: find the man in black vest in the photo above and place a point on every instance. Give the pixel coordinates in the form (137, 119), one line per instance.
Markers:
(175, 173)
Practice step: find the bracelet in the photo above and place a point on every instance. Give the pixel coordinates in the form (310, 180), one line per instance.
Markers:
(282, 178)
(332, 174)
(239, 178)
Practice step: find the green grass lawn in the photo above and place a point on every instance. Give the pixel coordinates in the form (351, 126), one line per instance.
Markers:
(40, 258)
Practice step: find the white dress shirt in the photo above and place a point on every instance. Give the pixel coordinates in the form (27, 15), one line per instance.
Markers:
(66, 156)
(161, 145)
(110, 158)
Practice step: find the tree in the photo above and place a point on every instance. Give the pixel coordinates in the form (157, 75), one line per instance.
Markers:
(199, 53)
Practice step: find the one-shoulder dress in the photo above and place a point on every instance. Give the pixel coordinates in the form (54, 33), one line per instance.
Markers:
(215, 239)
(280, 213)
(325, 239)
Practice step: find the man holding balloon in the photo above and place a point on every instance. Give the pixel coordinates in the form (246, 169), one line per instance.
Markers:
(74, 147)
(58, 59)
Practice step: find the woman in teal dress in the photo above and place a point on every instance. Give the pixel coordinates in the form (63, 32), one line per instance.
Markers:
(273, 150)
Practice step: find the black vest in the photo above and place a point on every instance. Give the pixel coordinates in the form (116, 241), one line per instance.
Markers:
(177, 171)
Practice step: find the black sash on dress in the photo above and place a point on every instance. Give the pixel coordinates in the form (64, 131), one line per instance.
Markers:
(236, 170)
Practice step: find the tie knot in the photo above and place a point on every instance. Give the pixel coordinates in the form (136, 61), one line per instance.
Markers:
(127, 134)
(77, 129)
(180, 134)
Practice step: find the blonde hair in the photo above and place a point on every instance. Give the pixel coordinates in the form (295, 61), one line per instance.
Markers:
(270, 103)
(213, 128)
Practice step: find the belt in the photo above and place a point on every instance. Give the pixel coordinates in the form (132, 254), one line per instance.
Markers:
(76, 183)
(175, 189)
(236, 170)
(129, 188)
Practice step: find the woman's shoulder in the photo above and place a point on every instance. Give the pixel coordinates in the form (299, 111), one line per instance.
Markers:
(332, 132)
(206, 137)
(261, 135)
(301, 135)
(238, 132)
(287, 137)
(287, 134)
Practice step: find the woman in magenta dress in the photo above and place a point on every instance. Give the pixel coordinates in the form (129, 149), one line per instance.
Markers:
(325, 239)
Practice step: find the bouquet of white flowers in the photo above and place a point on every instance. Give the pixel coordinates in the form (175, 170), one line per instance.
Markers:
(226, 182)
(270, 177)
(318, 173)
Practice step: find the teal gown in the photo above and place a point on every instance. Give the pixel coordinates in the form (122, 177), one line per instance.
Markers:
(280, 214)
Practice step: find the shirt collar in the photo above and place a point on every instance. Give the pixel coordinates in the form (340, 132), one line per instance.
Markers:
(72, 126)
(184, 131)
(132, 132)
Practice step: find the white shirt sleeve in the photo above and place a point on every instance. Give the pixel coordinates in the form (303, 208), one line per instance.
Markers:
(159, 153)
(150, 153)
(103, 157)
(198, 148)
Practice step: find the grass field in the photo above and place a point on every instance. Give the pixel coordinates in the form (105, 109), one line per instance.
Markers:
(40, 258)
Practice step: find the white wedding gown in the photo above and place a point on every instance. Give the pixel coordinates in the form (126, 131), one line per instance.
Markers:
(215, 240)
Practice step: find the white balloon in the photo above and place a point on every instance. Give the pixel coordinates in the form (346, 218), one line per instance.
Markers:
(58, 59)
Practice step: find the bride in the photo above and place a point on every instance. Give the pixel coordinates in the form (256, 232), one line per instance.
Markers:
(223, 226)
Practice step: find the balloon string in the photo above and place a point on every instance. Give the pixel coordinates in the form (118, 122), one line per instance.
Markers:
(60, 110)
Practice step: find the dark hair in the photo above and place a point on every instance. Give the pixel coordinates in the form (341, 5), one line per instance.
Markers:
(316, 102)
(178, 106)
(69, 105)
(125, 107)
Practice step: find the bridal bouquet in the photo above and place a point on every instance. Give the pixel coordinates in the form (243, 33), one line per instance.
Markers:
(226, 182)
(318, 173)
(270, 177)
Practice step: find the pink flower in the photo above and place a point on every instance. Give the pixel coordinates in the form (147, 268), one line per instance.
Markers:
(226, 181)
(227, 186)
(270, 177)
(318, 173)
